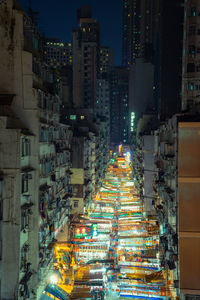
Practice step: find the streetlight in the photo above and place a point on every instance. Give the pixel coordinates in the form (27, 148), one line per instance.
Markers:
(53, 279)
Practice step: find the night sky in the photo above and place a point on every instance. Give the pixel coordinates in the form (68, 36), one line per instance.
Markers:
(58, 17)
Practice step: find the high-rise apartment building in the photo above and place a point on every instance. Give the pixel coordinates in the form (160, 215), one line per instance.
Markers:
(191, 56)
(119, 102)
(34, 161)
(167, 59)
(130, 32)
(102, 90)
(137, 30)
(102, 99)
(57, 54)
(150, 28)
(85, 59)
(106, 62)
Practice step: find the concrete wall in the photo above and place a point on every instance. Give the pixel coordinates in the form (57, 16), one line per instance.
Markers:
(188, 199)
(142, 90)
(148, 150)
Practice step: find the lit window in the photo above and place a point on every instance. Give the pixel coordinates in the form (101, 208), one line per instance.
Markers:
(82, 117)
(72, 117)
(192, 50)
(190, 86)
(193, 12)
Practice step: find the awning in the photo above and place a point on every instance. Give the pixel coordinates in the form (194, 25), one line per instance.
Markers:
(26, 132)
(27, 169)
(56, 291)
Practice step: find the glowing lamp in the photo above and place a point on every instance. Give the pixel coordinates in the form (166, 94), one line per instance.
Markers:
(83, 230)
(53, 279)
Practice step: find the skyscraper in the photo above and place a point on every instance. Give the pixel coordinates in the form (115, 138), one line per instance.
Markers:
(167, 58)
(152, 39)
(106, 61)
(191, 55)
(85, 58)
(119, 117)
(137, 30)
(102, 90)
(130, 32)
(57, 54)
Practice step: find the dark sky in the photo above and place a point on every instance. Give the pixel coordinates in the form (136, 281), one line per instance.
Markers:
(58, 17)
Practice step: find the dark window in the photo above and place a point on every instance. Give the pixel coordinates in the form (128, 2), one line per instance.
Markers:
(25, 147)
(190, 103)
(24, 219)
(190, 67)
(192, 30)
(75, 204)
(24, 256)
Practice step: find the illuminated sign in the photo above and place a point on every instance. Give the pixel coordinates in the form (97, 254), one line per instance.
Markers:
(81, 232)
(132, 121)
(120, 148)
(128, 157)
(94, 229)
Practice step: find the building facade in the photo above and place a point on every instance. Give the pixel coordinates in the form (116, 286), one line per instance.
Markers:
(119, 106)
(138, 30)
(191, 52)
(57, 54)
(35, 178)
(85, 59)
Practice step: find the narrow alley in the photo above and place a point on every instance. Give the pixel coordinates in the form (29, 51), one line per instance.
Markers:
(114, 248)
